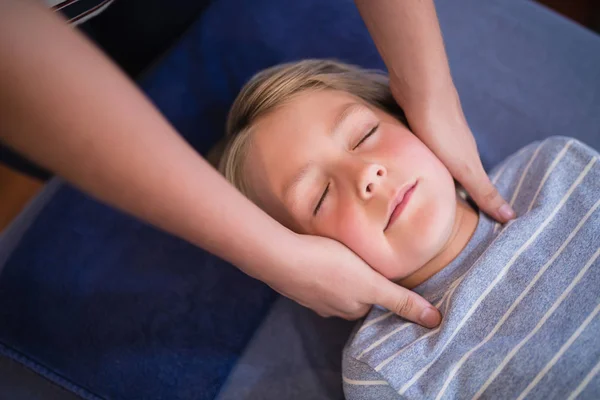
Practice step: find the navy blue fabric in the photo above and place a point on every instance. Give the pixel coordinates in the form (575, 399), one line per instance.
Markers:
(97, 300)
(119, 310)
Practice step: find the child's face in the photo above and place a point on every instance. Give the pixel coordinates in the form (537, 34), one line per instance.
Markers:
(326, 163)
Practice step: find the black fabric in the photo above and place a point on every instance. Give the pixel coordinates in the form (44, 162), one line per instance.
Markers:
(133, 33)
(76, 9)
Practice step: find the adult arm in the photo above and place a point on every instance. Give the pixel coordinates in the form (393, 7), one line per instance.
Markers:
(408, 37)
(64, 105)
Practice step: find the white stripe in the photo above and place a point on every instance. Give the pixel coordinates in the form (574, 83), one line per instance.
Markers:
(559, 157)
(501, 275)
(501, 171)
(514, 305)
(374, 321)
(506, 163)
(364, 383)
(402, 350)
(405, 325)
(54, 3)
(101, 8)
(585, 382)
(542, 321)
(389, 314)
(562, 350)
(523, 175)
(93, 14)
(383, 339)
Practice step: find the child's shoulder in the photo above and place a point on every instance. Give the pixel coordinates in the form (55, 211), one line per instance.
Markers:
(556, 144)
(534, 175)
(543, 155)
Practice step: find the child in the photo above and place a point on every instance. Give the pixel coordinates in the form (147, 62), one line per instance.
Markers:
(324, 149)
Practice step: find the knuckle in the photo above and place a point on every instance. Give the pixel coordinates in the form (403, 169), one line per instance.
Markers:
(489, 194)
(464, 169)
(404, 306)
(357, 311)
(472, 173)
(353, 316)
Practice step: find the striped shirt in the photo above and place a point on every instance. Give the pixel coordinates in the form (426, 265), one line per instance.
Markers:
(520, 303)
(78, 11)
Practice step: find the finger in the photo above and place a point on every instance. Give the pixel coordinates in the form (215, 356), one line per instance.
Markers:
(351, 315)
(483, 192)
(407, 304)
(359, 312)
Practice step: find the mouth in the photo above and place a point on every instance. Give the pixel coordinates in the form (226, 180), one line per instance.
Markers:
(399, 202)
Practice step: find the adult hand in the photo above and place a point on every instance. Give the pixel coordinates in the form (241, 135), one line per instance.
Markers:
(407, 35)
(444, 129)
(328, 278)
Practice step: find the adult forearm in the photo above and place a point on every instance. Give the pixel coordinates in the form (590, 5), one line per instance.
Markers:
(67, 107)
(408, 37)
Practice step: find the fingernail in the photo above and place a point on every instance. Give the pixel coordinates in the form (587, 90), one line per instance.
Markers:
(506, 212)
(430, 317)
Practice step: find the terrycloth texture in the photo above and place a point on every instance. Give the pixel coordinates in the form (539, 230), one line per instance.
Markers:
(108, 307)
(520, 303)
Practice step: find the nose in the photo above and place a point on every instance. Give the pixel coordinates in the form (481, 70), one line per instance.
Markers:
(370, 178)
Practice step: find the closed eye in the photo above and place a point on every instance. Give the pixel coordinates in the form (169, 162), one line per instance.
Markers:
(371, 132)
(321, 200)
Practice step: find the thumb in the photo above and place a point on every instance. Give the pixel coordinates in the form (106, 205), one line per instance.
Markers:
(407, 304)
(483, 192)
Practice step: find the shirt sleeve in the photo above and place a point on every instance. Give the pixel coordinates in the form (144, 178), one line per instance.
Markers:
(78, 11)
(555, 159)
(361, 382)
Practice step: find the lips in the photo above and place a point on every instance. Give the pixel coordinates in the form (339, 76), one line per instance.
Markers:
(399, 202)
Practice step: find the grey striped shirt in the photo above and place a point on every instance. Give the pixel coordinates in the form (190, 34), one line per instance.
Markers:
(520, 303)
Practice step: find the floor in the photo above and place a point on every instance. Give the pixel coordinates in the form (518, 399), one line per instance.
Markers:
(17, 189)
(585, 12)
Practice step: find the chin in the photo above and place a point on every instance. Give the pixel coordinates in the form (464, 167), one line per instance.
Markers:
(432, 230)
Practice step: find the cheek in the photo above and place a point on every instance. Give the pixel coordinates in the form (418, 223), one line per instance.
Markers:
(432, 221)
(405, 150)
(350, 227)
(427, 227)
(354, 229)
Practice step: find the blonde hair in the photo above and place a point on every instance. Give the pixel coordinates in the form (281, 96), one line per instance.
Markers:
(275, 86)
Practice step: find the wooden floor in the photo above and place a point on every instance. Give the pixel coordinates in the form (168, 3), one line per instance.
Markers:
(16, 189)
(584, 12)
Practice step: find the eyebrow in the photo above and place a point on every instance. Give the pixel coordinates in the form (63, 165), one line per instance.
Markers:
(297, 178)
(346, 111)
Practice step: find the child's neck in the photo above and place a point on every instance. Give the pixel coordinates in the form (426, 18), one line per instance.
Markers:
(465, 223)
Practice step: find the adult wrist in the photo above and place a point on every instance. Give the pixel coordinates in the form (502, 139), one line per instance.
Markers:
(436, 110)
(278, 257)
